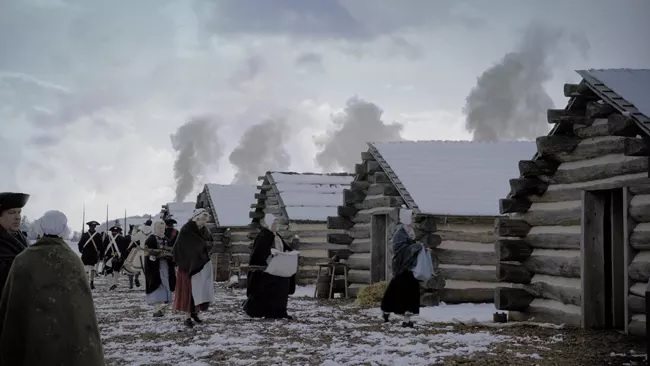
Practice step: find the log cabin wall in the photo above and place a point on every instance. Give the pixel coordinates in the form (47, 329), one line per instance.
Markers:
(467, 258)
(370, 193)
(308, 236)
(539, 247)
(638, 256)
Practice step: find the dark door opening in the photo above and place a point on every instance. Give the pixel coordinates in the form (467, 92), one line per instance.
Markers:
(379, 253)
(602, 248)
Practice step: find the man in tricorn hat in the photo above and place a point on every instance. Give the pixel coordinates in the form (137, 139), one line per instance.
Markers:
(91, 248)
(170, 231)
(12, 240)
(115, 246)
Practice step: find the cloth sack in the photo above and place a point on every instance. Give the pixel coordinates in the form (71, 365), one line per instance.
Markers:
(134, 261)
(423, 270)
(283, 264)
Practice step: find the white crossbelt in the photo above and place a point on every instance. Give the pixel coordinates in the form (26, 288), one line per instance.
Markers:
(91, 241)
(113, 244)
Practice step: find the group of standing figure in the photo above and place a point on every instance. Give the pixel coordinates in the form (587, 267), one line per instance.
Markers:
(172, 261)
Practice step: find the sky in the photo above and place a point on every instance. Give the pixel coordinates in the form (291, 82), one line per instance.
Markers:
(133, 104)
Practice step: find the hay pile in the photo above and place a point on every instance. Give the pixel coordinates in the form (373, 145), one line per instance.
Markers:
(371, 295)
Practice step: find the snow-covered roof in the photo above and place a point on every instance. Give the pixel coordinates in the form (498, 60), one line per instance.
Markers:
(231, 203)
(310, 196)
(455, 177)
(630, 86)
(181, 211)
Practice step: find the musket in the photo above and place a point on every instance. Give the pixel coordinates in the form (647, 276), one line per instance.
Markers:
(106, 232)
(125, 227)
(83, 220)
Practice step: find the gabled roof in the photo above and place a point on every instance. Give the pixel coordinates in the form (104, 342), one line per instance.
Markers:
(180, 211)
(231, 203)
(452, 177)
(309, 196)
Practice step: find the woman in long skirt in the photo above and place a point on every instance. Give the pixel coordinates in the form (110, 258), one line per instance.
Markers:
(159, 270)
(402, 295)
(195, 277)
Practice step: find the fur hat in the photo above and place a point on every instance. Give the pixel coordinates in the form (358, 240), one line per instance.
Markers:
(10, 200)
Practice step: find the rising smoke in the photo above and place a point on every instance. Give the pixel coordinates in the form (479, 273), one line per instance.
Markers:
(261, 148)
(359, 123)
(509, 101)
(198, 147)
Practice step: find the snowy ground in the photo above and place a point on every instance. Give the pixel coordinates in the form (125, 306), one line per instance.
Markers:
(324, 333)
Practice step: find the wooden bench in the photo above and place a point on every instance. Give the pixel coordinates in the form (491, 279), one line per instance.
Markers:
(331, 269)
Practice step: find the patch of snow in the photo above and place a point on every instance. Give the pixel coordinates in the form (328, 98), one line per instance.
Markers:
(558, 281)
(304, 291)
(601, 160)
(450, 313)
(232, 202)
(311, 196)
(456, 177)
(561, 205)
(633, 85)
(576, 229)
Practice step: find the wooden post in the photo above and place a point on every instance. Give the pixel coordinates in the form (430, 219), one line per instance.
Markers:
(628, 253)
(593, 261)
(378, 246)
(617, 247)
(647, 322)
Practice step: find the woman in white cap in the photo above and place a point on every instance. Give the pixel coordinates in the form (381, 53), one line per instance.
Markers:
(194, 276)
(159, 269)
(402, 295)
(47, 315)
(268, 295)
(12, 240)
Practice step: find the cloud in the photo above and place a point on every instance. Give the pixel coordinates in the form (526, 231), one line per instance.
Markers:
(310, 62)
(360, 122)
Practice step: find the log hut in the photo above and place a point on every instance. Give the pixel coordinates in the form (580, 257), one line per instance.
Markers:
(576, 237)
(452, 187)
(301, 203)
(228, 205)
(179, 211)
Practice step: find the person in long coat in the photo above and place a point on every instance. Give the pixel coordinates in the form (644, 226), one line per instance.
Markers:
(12, 240)
(267, 295)
(91, 247)
(47, 315)
(115, 247)
(194, 276)
(402, 295)
(159, 274)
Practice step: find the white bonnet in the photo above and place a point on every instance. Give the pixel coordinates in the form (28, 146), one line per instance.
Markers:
(269, 219)
(198, 213)
(54, 223)
(405, 216)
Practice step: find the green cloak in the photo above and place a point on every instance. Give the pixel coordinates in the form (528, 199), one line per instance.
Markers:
(47, 315)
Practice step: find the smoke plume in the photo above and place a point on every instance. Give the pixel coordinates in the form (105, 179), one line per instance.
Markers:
(509, 101)
(261, 148)
(197, 145)
(359, 123)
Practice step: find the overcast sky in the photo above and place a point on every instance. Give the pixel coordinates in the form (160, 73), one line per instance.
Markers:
(91, 91)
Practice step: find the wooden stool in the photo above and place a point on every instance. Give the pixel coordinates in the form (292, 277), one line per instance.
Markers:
(331, 269)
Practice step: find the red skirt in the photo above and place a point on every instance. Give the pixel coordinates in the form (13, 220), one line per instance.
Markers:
(183, 300)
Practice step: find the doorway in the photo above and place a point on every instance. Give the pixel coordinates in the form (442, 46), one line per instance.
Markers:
(380, 254)
(602, 252)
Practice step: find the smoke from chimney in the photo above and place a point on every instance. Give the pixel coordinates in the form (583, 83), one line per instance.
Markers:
(509, 101)
(197, 145)
(359, 123)
(261, 148)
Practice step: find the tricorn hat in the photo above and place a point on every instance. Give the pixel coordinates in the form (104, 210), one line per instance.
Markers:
(148, 222)
(170, 222)
(115, 229)
(92, 223)
(10, 200)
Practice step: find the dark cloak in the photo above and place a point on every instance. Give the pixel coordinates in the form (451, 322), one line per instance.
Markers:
(267, 295)
(405, 251)
(47, 315)
(171, 234)
(191, 249)
(89, 255)
(152, 268)
(11, 244)
(403, 291)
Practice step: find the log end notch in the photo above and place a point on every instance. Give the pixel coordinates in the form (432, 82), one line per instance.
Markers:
(512, 299)
(504, 226)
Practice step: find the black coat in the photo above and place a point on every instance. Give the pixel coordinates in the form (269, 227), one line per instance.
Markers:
(152, 268)
(171, 234)
(109, 250)
(91, 254)
(10, 246)
(267, 295)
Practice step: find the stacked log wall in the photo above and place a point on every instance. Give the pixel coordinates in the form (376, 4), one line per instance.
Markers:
(638, 270)
(467, 259)
(539, 244)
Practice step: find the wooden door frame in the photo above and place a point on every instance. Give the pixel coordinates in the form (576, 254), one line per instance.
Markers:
(379, 256)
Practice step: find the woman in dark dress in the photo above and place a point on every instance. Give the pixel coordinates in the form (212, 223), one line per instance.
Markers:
(12, 240)
(268, 295)
(402, 295)
(159, 270)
